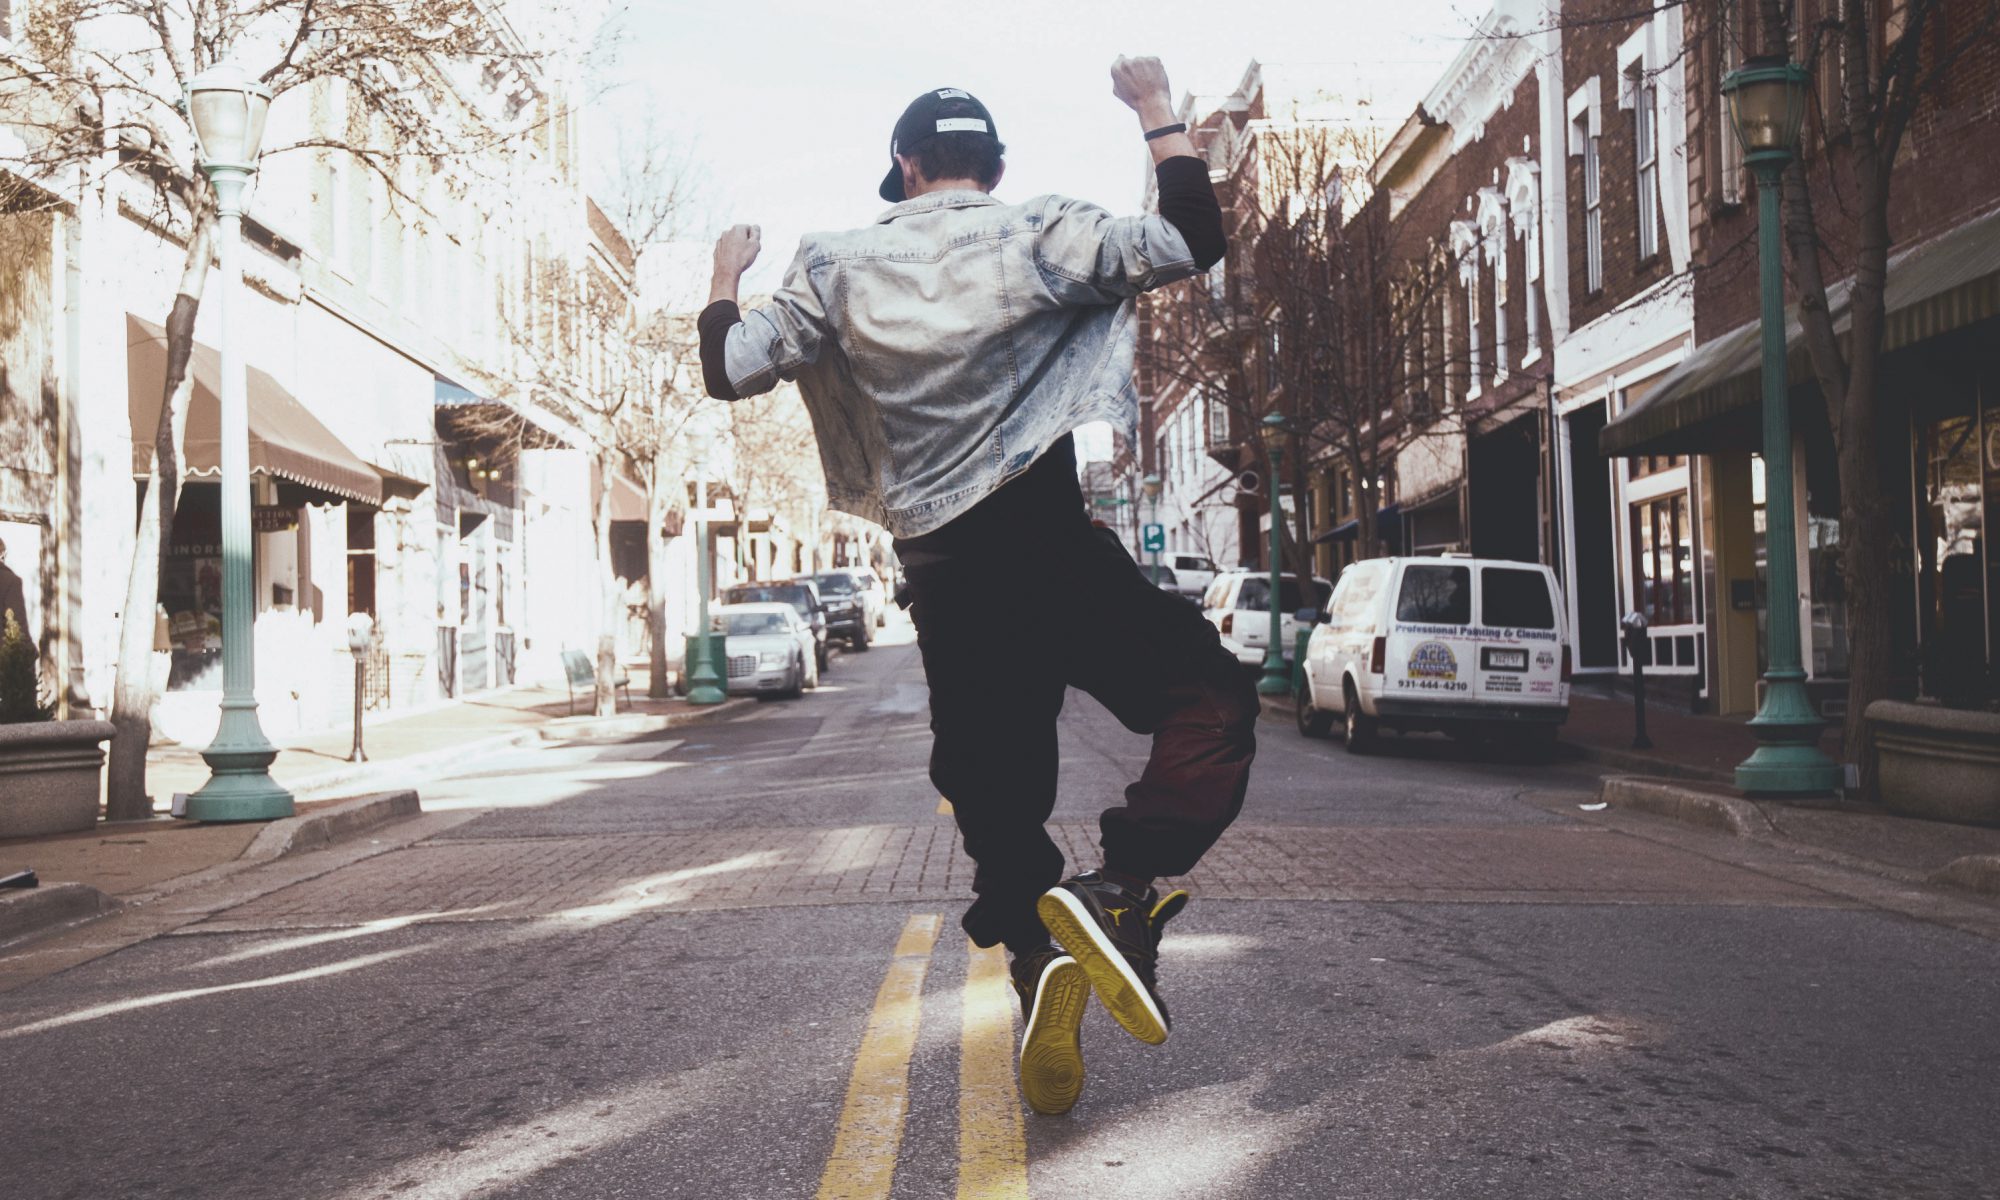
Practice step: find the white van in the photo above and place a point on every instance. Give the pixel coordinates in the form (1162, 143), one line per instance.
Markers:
(1458, 644)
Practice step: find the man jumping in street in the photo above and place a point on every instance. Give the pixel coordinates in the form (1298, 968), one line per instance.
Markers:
(946, 353)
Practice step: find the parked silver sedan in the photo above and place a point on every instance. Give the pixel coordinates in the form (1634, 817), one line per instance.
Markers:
(768, 649)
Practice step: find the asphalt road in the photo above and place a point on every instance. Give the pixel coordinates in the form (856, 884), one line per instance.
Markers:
(725, 963)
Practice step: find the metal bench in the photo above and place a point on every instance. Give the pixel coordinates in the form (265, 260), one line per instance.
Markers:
(580, 672)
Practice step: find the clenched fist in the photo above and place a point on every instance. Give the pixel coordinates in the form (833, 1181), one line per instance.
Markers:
(1141, 83)
(736, 249)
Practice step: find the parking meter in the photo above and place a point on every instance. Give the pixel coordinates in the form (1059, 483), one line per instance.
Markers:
(1639, 648)
(360, 640)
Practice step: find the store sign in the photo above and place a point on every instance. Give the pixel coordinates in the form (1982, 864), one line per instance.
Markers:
(273, 518)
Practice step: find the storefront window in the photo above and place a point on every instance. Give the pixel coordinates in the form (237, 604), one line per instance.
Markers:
(1958, 469)
(191, 590)
(1663, 560)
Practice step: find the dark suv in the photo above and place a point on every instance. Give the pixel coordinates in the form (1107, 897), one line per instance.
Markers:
(846, 608)
(801, 594)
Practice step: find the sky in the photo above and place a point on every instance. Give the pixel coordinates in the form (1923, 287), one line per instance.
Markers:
(786, 107)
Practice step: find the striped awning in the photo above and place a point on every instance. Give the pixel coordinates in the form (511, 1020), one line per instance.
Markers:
(1709, 401)
(286, 440)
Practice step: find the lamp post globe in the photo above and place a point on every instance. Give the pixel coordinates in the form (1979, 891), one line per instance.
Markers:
(226, 107)
(1276, 680)
(1767, 104)
(1767, 107)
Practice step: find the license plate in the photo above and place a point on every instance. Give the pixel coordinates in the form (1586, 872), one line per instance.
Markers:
(1505, 660)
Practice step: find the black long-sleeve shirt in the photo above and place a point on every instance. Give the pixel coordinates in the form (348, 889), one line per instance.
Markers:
(1187, 202)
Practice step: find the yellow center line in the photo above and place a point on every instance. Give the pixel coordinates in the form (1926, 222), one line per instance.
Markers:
(992, 1147)
(863, 1163)
(944, 807)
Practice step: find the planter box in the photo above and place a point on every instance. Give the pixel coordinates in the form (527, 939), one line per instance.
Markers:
(1942, 763)
(50, 776)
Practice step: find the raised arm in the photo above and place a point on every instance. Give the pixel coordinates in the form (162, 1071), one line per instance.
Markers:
(744, 356)
(1089, 256)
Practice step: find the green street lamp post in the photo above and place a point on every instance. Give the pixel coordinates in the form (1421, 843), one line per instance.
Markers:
(1150, 485)
(1767, 101)
(705, 683)
(1277, 679)
(227, 109)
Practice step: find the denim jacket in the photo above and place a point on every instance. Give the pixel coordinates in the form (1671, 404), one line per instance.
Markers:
(943, 348)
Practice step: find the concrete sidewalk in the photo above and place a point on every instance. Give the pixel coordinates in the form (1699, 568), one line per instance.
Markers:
(1688, 774)
(131, 861)
(1684, 746)
(315, 763)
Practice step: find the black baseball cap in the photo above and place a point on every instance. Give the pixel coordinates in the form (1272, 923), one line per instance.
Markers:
(942, 110)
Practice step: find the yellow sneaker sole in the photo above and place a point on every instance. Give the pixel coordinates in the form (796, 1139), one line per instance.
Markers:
(1052, 1047)
(1120, 990)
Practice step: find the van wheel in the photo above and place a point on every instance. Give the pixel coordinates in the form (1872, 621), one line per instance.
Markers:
(1312, 722)
(1361, 727)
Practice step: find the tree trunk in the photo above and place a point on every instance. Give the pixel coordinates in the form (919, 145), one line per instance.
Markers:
(608, 594)
(1864, 507)
(132, 688)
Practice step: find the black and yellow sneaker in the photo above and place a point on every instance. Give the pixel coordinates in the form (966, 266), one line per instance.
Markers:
(1114, 935)
(1054, 994)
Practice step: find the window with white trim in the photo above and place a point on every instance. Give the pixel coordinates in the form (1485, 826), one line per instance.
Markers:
(1585, 110)
(1646, 150)
(1474, 377)
(1593, 216)
(1730, 174)
(1444, 351)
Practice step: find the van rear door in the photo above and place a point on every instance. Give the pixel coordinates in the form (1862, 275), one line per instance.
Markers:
(1519, 638)
(1430, 653)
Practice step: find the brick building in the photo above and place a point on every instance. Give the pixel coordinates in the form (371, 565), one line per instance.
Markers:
(1938, 446)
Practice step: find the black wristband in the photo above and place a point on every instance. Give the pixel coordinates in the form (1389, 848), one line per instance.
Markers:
(1166, 130)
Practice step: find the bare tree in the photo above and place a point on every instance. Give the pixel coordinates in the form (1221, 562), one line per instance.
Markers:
(1321, 315)
(622, 381)
(775, 458)
(93, 88)
(651, 195)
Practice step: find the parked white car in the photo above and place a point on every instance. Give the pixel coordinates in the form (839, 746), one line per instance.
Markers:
(1457, 644)
(1192, 572)
(768, 648)
(1238, 604)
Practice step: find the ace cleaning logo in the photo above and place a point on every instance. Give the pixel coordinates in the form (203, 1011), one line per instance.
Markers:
(1433, 660)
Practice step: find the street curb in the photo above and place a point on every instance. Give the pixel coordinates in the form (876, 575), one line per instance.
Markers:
(1973, 873)
(31, 912)
(1282, 707)
(1626, 760)
(296, 835)
(628, 725)
(1688, 805)
(396, 771)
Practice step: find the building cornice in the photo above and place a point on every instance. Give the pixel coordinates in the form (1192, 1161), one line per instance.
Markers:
(1482, 79)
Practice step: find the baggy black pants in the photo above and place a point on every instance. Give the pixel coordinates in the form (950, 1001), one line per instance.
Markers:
(1015, 601)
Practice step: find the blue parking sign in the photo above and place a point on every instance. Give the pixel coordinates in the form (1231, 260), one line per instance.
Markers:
(1156, 537)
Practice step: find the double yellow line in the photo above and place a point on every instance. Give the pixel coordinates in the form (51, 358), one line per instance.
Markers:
(992, 1147)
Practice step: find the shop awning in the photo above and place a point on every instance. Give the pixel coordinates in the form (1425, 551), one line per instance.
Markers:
(286, 441)
(1709, 401)
(1349, 529)
(538, 430)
